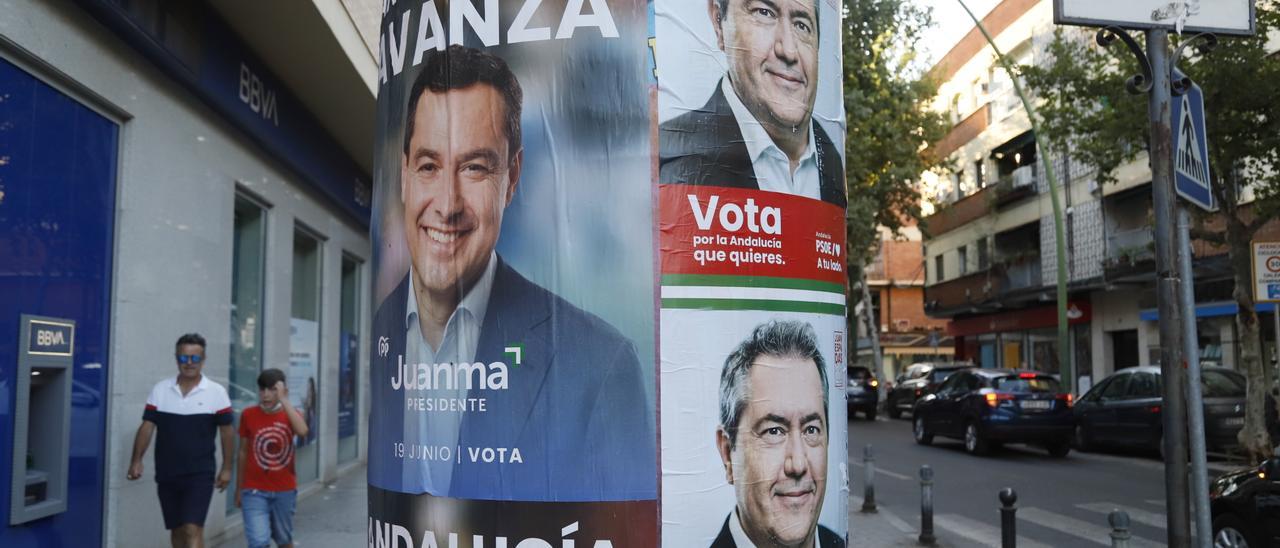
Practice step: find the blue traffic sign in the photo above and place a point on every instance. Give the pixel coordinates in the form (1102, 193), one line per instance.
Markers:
(1191, 149)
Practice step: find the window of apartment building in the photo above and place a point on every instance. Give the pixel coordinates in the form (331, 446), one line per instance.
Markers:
(984, 253)
(977, 94)
(979, 174)
(938, 273)
(963, 259)
(955, 109)
(304, 348)
(957, 185)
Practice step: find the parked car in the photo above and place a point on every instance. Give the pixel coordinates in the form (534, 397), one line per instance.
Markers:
(863, 392)
(1125, 409)
(1243, 504)
(987, 407)
(919, 379)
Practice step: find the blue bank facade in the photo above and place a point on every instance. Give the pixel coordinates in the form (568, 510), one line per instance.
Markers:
(157, 177)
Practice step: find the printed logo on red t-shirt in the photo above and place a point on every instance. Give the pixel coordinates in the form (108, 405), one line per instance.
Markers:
(273, 447)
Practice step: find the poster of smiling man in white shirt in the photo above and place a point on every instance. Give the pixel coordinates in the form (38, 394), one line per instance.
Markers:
(746, 112)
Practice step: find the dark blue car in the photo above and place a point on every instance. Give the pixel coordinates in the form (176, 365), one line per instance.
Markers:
(988, 407)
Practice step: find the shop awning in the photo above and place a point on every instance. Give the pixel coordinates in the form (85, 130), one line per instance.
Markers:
(1209, 310)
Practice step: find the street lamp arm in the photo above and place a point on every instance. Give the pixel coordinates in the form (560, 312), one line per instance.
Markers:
(1180, 81)
(1138, 83)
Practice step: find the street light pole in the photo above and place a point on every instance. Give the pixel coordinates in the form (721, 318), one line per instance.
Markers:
(1168, 289)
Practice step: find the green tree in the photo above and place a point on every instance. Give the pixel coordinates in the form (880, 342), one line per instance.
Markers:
(1087, 112)
(887, 94)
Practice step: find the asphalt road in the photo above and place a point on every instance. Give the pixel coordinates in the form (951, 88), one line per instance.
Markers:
(1061, 502)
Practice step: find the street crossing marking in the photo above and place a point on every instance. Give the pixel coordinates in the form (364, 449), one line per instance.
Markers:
(1156, 502)
(979, 532)
(1152, 519)
(882, 471)
(1093, 532)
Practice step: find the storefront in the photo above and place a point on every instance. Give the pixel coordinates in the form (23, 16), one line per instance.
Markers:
(1217, 334)
(1022, 339)
(157, 178)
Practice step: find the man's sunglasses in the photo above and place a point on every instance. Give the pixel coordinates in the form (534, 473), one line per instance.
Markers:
(189, 358)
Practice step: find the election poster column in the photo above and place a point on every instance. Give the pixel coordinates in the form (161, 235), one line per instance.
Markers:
(513, 359)
(752, 283)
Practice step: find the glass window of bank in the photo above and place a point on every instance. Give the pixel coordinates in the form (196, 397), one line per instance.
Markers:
(248, 266)
(248, 274)
(304, 348)
(349, 360)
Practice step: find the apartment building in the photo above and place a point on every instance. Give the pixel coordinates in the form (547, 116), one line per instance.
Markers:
(895, 280)
(990, 254)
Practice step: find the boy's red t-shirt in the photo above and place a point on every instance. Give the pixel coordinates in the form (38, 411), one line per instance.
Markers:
(270, 439)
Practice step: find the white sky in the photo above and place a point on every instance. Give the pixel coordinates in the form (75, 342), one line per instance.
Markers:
(950, 24)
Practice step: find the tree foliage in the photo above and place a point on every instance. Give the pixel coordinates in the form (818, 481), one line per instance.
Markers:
(1087, 112)
(886, 99)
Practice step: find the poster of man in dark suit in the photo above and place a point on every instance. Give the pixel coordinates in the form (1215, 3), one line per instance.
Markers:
(757, 131)
(568, 419)
(773, 439)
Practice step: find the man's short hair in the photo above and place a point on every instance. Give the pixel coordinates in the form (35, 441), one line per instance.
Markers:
(269, 377)
(817, 13)
(191, 338)
(460, 67)
(777, 338)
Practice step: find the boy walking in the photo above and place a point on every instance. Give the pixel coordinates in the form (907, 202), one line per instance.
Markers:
(266, 487)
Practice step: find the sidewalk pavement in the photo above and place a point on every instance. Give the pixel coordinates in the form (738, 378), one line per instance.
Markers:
(884, 528)
(328, 516)
(333, 516)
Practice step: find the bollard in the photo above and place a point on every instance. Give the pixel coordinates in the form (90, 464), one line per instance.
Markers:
(1119, 520)
(1008, 518)
(926, 506)
(869, 476)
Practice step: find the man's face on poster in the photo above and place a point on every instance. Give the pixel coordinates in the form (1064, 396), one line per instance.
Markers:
(772, 48)
(458, 177)
(778, 465)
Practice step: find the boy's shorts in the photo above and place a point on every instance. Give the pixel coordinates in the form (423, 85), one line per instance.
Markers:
(185, 500)
(268, 516)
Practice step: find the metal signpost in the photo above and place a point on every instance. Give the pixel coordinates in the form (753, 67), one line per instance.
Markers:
(1176, 113)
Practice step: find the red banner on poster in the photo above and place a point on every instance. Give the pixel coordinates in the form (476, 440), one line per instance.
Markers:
(738, 232)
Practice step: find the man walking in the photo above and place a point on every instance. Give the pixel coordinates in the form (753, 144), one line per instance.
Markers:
(183, 412)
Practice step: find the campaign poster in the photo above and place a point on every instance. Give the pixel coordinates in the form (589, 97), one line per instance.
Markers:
(304, 352)
(513, 361)
(753, 285)
(348, 353)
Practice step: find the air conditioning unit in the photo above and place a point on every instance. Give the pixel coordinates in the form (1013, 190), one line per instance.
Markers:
(1024, 176)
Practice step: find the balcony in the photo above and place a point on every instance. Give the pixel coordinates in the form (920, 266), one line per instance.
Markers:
(1129, 253)
(966, 210)
(1012, 188)
(963, 293)
(1021, 272)
(967, 130)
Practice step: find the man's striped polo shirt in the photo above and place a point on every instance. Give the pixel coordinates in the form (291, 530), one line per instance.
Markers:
(186, 426)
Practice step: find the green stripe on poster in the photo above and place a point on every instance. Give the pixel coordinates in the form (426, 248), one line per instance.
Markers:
(755, 304)
(710, 280)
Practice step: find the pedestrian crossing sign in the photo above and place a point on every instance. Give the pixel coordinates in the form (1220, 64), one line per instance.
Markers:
(1191, 153)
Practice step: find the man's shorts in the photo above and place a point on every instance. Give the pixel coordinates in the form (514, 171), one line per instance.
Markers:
(185, 500)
